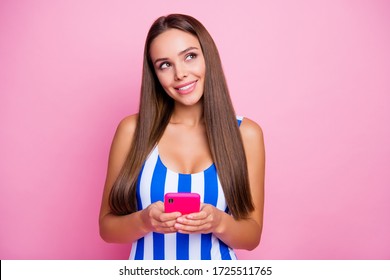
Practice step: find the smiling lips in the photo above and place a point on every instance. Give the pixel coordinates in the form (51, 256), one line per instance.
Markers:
(186, 88)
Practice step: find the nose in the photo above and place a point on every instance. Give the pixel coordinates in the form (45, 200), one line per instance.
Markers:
(180, 72)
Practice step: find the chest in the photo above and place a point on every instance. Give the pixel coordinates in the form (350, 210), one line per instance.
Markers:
(156, 180)
(184, 150)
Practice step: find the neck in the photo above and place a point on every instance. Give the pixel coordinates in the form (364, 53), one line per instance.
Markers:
(187, 115)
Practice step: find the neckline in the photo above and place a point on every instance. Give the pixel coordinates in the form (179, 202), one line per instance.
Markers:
(180, 173)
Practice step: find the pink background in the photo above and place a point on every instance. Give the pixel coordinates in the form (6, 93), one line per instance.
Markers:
(314, 74)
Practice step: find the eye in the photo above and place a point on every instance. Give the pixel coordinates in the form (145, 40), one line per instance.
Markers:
(164, 65)
(191, 56)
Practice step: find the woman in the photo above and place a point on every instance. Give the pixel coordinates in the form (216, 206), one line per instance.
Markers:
(185, 138)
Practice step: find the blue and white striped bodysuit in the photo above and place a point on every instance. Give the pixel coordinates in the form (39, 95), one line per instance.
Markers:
(154, 181)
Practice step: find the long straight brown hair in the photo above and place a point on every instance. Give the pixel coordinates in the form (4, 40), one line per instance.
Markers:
(155, 110)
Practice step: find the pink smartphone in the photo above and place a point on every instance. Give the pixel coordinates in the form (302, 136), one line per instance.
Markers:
(185, 203)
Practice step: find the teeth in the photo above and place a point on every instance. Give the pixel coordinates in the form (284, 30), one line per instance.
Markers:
(186, 87)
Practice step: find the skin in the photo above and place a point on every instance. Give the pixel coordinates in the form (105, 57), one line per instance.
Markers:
(178, 60)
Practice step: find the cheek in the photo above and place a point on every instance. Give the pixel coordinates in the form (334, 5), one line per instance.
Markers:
(165, 82)
(163, 79)
(201, 69)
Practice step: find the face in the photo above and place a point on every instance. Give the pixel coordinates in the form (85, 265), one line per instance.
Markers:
(179, 64)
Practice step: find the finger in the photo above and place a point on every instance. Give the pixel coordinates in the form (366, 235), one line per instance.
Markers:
(166, 230)
(194, 222)
(163, 217)
(197, 216)
(193, 229)
(191, 224)
(163, 225)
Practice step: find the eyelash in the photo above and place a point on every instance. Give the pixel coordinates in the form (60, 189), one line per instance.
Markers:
(194, 55)
(161, 66)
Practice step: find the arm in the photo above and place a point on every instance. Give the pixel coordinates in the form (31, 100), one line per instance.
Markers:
(128, 228)
(239, 234)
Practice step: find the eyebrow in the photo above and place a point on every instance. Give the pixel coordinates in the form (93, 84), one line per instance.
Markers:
(180, 53)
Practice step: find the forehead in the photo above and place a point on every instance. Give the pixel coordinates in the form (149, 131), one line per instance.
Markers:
(171, 42)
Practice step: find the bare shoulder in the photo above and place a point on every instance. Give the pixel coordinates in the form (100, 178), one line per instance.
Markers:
(128, 124)
(253, 141)
(124, 133)
(251, 132)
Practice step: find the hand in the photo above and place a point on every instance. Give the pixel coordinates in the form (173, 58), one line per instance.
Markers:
(205, 221)
(156, 220)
